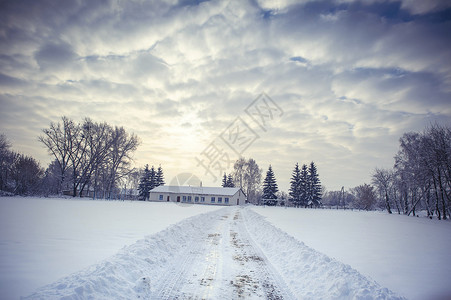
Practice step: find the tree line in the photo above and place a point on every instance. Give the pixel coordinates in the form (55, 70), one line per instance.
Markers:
(305, 186)
(420, 179)
(19, 174)
(421, 176)
(89, 157)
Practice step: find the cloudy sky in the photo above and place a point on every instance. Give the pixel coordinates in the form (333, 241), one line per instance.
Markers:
(203, 82)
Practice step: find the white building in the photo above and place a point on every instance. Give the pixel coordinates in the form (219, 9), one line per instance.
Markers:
(198, 195)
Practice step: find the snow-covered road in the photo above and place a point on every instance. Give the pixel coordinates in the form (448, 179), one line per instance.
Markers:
(224, 262)
(230, 253)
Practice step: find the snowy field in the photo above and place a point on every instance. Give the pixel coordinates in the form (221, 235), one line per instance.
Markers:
(230, 253)
(411, 256)
(42, 240)
(211, 252)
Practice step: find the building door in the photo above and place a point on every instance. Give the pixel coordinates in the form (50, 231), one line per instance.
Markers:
(168, 199)
(237, 201)
(178, 198)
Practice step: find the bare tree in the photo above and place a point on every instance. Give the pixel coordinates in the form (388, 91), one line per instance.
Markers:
(248, 176)
(422, 167)
(26, 175)
(252, 179)
(60, 140)
(6, 159)
(5, 145)
(383, 180)
(365, 197)
(97, 140)
(119, 159)
(19, 174)
(94, 153)
(239, 168)
(438, 142)
(51, 183)
(131, 183)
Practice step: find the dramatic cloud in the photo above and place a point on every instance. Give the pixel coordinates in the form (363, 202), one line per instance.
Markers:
(348, 77)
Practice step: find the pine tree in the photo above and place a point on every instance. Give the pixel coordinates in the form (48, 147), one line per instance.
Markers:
(159, 177)
(144, 185)
(224, 180)
(270, 188)
(314, 184)
(304, 186)
(294, 191)
(227, 180)
(153, 178)
(230, 181)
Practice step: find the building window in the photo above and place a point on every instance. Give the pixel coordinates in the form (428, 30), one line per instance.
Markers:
(226, 200)
(219, 199)
(184, 199)
(202, 199)
(196, 199)
(161, 197)
(212, 199)
(189, 198)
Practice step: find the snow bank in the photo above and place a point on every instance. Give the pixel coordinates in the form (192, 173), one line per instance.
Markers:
(308, 273)
(405, 254)
(42, 239)
(131, 273)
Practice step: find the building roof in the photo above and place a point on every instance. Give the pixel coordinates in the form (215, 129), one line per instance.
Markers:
(172, 189)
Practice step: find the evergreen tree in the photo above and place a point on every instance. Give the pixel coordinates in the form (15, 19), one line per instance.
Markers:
(224, 180)
(230, 181)
(314, 186)
(270, 188)
(304, 186)
(294, 191)
(227, 180)
(153, 178)
(159, 177)
(144, 185)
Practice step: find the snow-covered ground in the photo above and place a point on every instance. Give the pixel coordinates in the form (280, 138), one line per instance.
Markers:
(226, 254)
(408, 255)
(212, 253)
(42, 240)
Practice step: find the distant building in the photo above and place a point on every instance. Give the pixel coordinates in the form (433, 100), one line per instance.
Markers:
(226, 196)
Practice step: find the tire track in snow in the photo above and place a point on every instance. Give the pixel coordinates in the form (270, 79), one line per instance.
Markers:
(224, 263)
(213, 259)
(257, 278)
(171, 281)
(194, 276)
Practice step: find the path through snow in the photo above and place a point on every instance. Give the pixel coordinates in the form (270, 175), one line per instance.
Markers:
(224, 263)
(231, 253)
